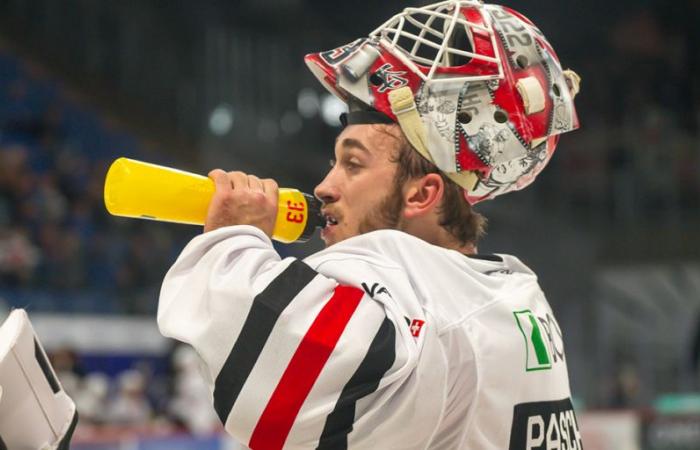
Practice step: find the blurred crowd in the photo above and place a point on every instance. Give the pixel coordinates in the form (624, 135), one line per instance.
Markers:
(139, 399)
(55, 234)
(637, 155)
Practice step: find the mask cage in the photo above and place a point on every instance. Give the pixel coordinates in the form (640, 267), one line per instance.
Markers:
(429, 36)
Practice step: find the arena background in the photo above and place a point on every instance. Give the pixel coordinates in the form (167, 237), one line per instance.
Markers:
(611, 226)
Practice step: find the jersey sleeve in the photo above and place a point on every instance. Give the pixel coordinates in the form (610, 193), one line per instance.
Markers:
(287, 352)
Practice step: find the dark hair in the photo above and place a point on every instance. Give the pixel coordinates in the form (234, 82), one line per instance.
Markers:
(456, 214)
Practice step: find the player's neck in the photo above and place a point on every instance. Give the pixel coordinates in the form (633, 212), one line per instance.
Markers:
(437, 235)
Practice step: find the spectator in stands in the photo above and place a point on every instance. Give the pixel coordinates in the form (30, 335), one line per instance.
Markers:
(130, 405)
(91, 399)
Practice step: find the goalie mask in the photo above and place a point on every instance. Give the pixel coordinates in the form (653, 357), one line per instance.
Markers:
(476, 89)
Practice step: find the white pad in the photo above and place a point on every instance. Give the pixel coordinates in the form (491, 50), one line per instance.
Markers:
(35, 412)
(532, 93)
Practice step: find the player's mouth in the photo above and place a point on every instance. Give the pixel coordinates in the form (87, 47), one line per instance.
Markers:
(331, 222)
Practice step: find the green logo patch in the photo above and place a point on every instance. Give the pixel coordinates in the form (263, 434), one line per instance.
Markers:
(537, 352)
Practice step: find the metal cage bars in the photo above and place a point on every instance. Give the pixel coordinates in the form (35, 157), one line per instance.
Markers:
(392, 30)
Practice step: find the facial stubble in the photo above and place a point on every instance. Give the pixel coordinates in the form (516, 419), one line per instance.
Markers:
(388, 214)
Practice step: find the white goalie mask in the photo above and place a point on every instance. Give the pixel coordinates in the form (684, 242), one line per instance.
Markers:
(476, 89)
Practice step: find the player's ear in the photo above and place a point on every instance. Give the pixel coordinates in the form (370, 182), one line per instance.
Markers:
(422, 195)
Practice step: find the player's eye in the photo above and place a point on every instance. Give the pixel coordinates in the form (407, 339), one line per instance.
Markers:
(352, 165)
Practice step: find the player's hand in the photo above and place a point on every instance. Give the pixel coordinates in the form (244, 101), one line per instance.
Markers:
(242, 199)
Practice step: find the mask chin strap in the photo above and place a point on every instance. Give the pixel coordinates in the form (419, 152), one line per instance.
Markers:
(403, 105)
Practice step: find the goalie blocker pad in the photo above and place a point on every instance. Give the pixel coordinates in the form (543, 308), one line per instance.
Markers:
(35, 411)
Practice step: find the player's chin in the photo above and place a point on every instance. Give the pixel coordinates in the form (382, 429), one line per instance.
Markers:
(329, 238)
(332, 234)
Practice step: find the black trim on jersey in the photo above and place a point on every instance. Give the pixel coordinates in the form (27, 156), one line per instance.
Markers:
(46, 368)
(266, 309)
(3, 446)
(494, 258)
(65, 441)
(380, 357)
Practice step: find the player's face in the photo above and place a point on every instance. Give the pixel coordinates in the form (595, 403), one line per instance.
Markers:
(359, 192)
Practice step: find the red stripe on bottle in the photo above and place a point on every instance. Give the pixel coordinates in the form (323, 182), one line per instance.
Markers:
(304, 368)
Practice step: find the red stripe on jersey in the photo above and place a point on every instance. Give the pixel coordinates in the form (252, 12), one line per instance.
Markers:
(304, 368)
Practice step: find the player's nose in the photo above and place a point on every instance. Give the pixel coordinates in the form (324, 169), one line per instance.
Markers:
(327, 191)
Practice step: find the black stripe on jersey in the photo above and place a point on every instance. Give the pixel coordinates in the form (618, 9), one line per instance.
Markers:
(65, 441)
(494, 258)
(46, 367)
(266, 309)
(380, 357)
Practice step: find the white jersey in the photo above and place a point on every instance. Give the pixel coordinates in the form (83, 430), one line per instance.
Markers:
(381, 341)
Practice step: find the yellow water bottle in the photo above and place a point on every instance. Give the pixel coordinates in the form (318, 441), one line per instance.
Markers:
(148, 191)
